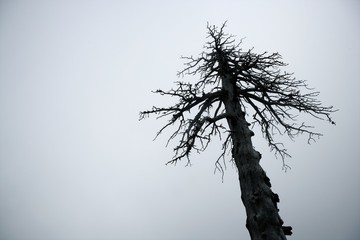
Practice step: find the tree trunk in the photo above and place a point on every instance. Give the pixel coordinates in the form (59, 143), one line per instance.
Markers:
(263, 220)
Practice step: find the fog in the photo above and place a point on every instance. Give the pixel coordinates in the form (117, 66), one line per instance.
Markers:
(76, 164)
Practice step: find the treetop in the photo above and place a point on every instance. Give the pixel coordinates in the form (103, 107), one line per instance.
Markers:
(271, 97)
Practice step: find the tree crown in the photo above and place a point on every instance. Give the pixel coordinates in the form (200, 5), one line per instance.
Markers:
(273, 98)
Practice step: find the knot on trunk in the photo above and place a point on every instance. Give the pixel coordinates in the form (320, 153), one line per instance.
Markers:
(287, 230)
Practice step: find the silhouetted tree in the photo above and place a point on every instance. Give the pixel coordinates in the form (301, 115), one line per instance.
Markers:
(234, 84)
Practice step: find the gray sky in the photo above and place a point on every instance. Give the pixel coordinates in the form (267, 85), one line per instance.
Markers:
(75, 163)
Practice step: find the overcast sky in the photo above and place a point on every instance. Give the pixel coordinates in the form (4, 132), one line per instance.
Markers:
(76, 164)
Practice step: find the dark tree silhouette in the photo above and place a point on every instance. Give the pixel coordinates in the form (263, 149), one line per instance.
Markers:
(234, 84)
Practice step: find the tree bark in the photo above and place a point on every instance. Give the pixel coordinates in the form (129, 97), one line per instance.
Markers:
(263, 220)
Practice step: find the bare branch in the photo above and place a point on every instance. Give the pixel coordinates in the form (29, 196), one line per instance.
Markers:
(275, 97)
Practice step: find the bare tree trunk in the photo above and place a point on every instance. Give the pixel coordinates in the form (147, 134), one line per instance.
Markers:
(263, 220)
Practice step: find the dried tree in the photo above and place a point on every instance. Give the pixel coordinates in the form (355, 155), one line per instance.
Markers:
(234, 84)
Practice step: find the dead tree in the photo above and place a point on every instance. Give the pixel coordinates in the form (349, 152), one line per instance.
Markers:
(235, 84)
